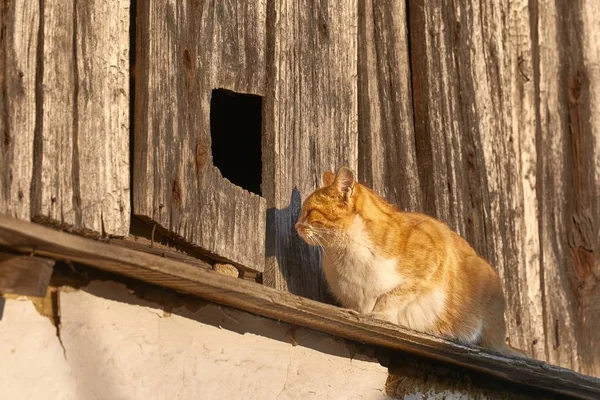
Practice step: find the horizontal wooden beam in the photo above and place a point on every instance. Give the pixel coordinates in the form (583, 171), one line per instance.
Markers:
(147, 246)
(26, 237)
(24, 275)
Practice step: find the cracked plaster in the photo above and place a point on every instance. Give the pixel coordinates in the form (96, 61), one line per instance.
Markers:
(120, 347)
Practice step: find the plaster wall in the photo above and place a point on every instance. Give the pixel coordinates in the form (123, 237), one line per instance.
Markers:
(117, 346)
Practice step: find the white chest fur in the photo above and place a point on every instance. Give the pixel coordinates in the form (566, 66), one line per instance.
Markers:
(356, 274)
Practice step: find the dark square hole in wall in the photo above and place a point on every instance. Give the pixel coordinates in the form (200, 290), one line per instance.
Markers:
(236, 131)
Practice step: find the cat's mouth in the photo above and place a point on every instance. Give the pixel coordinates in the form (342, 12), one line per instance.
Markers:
(305, 233)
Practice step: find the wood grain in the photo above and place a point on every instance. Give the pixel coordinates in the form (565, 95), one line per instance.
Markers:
(484, 115)
(386, 153)
(184, 50)
(476, 142)
(24, 275)
(19, 24)
(101, 133)
(446, 125)
(590, 180)
(65, 111)
(24, 237)
(569, 184)
(310, 126)
(506, 156)
(146, 246)
(516, 186)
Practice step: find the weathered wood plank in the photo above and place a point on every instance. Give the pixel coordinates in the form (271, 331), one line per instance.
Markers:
(386, 152)
(101, 134)
(184, 50)
(147, 246)
(448, 147)
(24, 237)
(19, 27)
(498, 64)
(53, 183)
(475, 124)
(24, 275)
(569, 201)
(66, 113)
(507, 155)
(590, 17)
(310, 126)
(520, 268)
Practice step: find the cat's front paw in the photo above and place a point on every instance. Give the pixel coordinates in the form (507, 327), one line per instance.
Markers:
(353, 312)
(382, 316)
(376, 315)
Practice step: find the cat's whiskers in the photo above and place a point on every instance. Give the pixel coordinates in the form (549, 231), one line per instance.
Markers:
(418, 272)
(320, 243)
(335, 253)
(338, 238)
(333, 242)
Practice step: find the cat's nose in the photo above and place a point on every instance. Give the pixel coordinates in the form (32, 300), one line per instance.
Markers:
(299, 225)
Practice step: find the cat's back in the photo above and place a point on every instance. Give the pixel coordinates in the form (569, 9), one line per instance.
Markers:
(426, 246)
(436, 231)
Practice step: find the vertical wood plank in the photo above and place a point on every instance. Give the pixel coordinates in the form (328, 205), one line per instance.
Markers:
(590, 16)
(507, 151)
(54, 181)
(475, 126)
(19, 34)
(66, 114)
(521, 273)
(590, 293)
(387, 157)
(441, 127)
(101, 129)
(311, 126)
(570, 218)
(184, 50)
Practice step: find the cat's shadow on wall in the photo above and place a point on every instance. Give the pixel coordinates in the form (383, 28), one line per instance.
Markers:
(298, 263)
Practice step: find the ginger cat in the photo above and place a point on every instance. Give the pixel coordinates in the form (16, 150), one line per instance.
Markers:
(402, 267)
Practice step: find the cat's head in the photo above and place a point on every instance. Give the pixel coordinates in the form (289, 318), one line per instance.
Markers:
(328, 211)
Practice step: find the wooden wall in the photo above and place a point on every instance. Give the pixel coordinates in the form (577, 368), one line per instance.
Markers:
(504, 106)
(485, 115)
(310, 126)
(184, 50)
(64, 114)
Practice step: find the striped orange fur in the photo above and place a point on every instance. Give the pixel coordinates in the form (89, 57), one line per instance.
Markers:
(406, 268)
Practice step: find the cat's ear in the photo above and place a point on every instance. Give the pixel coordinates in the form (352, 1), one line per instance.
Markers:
(344, 180)
(328, 178)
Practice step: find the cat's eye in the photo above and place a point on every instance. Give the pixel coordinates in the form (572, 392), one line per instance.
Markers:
(308, 212)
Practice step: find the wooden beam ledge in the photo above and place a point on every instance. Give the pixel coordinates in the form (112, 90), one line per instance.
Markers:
(25, 237)
(24, 275)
